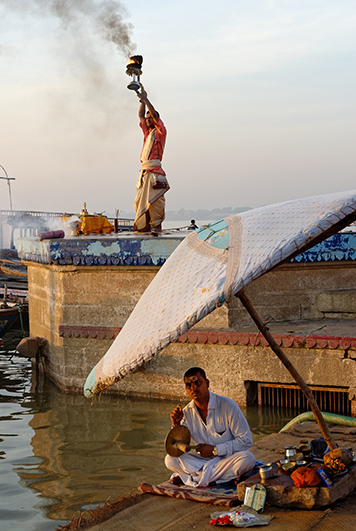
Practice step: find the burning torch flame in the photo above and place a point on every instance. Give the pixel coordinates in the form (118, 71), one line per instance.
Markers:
(134, 65)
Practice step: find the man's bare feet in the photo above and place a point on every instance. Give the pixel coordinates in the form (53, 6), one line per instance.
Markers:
(157, 230)
(176, 480)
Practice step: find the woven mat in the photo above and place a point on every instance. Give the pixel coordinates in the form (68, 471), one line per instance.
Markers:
(223, 494)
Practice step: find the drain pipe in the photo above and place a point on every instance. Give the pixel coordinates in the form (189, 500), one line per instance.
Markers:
(332, 418)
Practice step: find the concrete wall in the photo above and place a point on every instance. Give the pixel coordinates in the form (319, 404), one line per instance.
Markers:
(229, 367)
(104, 296)
(300, 291)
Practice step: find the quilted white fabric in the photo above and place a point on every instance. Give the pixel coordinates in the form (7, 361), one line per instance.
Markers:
(207, 268)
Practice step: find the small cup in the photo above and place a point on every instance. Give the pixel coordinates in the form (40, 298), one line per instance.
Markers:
(289, 451)
(300, 463)
(266, 472)
(282, 462)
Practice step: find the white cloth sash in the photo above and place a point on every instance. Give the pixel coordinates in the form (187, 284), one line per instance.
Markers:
(147, 148)
(149, 164)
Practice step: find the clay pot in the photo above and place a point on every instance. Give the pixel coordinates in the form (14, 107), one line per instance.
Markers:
(344, 454)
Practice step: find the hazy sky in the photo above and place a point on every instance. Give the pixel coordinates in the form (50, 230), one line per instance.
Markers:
(258, 97)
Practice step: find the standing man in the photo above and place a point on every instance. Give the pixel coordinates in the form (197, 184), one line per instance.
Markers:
(220, 431)
(152, 183)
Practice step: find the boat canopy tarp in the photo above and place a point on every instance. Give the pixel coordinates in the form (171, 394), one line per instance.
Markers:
(212, 264)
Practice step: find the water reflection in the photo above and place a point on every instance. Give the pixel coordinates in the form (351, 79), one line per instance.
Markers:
(63, 454)
(88, 453)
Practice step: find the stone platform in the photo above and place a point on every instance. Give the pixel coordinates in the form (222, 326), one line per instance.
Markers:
(121, 249)
(153, 512)
(281, 491)
(82, 289)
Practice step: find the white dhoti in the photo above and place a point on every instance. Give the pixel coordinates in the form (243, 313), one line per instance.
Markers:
(197, 471)
(149, 200)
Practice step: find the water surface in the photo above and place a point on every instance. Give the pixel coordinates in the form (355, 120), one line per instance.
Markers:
(60, 453)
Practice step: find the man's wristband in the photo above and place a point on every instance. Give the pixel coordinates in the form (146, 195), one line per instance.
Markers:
(215, 451)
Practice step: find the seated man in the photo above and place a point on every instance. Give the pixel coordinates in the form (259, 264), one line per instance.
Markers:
(221, 432)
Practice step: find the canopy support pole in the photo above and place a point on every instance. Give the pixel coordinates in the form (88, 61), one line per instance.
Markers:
(290, 367)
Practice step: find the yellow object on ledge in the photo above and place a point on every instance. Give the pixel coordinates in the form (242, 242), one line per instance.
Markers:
(94, 224)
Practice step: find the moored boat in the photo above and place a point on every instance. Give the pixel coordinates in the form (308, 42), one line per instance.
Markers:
(11, 316)
(13, 308)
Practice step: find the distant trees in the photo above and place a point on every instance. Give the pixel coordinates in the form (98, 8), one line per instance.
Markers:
(201, 214)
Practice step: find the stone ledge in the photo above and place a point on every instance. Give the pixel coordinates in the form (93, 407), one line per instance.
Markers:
(131, 249)
(220, 337)
(339, 247)
(91, 332)
(98, 250)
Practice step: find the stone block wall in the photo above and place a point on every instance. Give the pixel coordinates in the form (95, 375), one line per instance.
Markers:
(102, 298)
(300, 291)
(231, 360)
(80, 309)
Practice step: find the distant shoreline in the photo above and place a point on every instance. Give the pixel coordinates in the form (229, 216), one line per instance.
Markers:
(200, 214)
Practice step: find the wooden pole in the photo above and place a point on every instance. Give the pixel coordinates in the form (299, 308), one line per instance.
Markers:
(290, 367)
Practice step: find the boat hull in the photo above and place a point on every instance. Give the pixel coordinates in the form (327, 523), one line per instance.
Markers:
(9, 317)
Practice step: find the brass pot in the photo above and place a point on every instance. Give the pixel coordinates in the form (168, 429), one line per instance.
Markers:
(266, 472)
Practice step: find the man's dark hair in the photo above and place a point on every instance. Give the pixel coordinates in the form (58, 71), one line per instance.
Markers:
(194, 370)
(156, 113)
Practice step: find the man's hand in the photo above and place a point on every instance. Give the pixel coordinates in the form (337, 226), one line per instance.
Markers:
(142, 96)
(205, 450)
(177, 416)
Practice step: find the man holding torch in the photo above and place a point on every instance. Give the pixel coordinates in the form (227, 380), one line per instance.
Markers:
(152, 183)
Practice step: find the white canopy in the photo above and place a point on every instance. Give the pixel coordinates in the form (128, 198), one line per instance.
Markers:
(211, 265)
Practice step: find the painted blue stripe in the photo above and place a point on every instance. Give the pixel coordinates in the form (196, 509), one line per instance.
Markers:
(215, 233)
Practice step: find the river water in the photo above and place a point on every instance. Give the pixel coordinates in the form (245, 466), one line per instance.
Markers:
(60, 453)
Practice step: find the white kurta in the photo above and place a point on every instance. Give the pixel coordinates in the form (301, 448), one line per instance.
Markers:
(227, 429)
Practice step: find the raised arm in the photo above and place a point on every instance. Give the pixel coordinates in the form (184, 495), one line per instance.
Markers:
(142, 110)
(145, 101)
(176, 415)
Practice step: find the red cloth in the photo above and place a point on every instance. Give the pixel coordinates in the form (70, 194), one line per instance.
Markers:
(51, 234)
(160, 139)
(306, 477)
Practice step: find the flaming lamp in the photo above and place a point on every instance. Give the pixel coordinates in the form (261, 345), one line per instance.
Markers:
(134, 69)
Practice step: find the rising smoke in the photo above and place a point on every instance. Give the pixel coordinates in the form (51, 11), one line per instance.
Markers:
(84, 27)
(107, 17)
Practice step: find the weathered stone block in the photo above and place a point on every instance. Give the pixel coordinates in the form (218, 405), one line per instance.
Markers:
(335, 302)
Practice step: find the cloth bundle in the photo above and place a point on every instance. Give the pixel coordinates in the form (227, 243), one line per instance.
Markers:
(50, 235)
(306, 477)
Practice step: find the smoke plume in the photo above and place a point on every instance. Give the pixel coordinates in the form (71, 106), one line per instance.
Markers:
(85, 62)
(107, 17)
